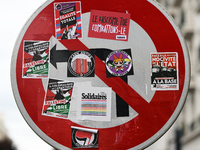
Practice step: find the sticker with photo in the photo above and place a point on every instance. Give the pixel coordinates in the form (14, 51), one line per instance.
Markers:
(35, 59)
(68, 20)
(57, 99)
(164, 71)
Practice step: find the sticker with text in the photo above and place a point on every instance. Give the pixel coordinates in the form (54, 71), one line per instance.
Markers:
(68, 20)
(35, 59)
(94, 103)
(109, 25)
(81, 64)
(119, 63)
(57, 98)
(84, 137)
(164, 71)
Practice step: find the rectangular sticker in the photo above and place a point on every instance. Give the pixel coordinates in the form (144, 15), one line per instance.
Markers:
(84, 137)
(94, 104)
(57, 99)
(164, 71)
(109, 25)
(68, 20)
(35, 59)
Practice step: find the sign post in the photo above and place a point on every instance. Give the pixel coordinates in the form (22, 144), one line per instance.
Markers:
(100, 74)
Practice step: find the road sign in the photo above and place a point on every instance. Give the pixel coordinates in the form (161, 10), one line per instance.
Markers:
(132, 48)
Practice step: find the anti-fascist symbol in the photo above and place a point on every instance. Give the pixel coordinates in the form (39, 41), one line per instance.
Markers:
(84, 139)
(81, 64)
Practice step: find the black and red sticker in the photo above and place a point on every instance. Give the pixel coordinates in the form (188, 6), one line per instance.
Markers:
(84, 137)
(164, 71)
(81, 64)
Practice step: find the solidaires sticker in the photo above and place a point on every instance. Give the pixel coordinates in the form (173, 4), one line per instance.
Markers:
(94, 103)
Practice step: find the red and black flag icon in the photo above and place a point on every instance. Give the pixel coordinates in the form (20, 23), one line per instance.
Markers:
(84, 138)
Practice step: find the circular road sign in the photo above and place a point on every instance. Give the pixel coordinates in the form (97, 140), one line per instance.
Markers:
(131, 52)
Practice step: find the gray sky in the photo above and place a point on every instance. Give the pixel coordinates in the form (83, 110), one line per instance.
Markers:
(14, 15)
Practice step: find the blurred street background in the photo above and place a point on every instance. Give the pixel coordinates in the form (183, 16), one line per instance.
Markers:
(15, 134)
(185, 133)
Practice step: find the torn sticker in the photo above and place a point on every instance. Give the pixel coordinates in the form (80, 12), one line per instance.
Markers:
(94, 103)
(109, 25)
(35, 59)
(164, 71)
(73, 105)
(57, 98)
(68, 20)
(84, 137)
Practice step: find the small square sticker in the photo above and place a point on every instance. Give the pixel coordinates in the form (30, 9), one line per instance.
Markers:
(81, 64)
(119, 63)
(84, 137)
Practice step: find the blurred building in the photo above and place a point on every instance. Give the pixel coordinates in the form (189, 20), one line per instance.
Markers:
(3, 131)
(185, 133)
(5, 142)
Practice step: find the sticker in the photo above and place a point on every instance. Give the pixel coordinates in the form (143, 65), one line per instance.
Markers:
(68, 20)
(164, 71)
(109, 25)
(84, 137)
(81, 64)
(57, 99)
(73, 105)
(35, 59)
(94, 103)
(119, 63)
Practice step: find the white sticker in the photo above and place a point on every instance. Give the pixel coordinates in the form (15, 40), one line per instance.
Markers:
(94, 103)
